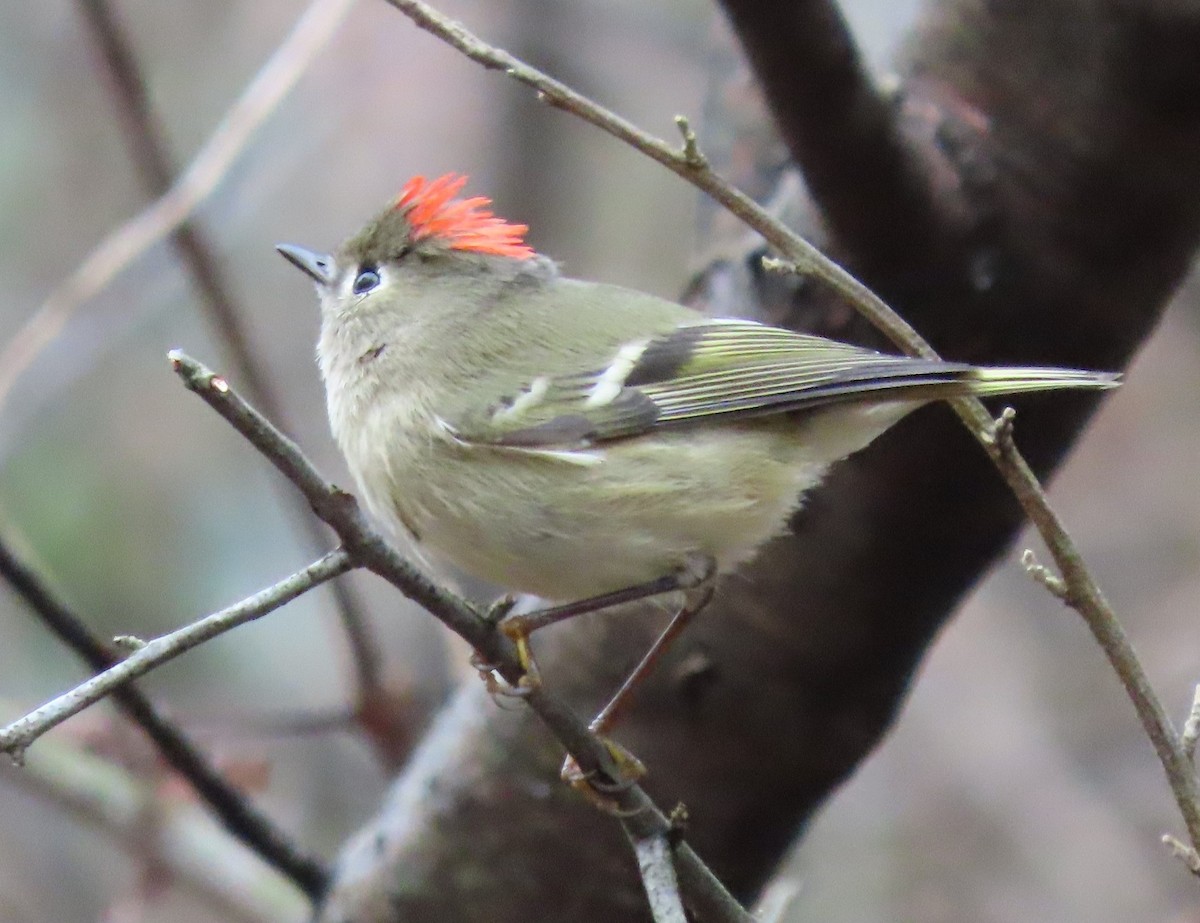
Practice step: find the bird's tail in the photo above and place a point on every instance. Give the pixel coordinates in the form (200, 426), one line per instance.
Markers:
(921, 380)
(986, 382)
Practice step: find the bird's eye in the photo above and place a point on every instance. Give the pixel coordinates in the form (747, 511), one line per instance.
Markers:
(367, 279)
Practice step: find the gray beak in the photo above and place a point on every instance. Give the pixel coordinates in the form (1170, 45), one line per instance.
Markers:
(318, 266)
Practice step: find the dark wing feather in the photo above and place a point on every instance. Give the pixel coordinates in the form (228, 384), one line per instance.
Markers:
(719, 368)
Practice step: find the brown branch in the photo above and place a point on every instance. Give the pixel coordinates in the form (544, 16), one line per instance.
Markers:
(148, 147)
(1080, 592)
(368, 549)
(690, 164)
(256, 724)
(238, 815)
(841, 131)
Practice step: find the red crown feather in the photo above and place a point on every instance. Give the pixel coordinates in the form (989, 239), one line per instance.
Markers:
(463, 224)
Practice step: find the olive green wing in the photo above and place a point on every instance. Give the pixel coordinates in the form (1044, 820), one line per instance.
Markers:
(727, 370)
(699, 372)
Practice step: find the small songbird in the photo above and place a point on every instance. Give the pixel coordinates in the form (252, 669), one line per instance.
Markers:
(567, 438)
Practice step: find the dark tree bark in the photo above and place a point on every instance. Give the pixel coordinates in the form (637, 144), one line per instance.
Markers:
(1045, 156)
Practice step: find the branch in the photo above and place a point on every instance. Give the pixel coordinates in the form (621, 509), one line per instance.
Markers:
(239, 816)
(149, 149)
(1191, 728)
(17, 736)
(368, 549)
(840, 129)
(686, 162)
(689, 164)
(658, 876)
(128, 242)
(1079, 591)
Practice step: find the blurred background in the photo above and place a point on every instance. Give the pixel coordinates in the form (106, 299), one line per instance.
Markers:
(1018, 784)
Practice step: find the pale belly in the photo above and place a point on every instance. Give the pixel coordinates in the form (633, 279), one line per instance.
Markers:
(643, 508)
(566, 531)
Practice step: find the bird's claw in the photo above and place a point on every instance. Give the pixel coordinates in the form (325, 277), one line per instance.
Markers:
(599, 788)
(497, 685)
(499, 609)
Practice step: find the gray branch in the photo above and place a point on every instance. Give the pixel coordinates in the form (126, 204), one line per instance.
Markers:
(17, 736)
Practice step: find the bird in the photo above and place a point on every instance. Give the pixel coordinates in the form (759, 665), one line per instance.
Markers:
(567, 438)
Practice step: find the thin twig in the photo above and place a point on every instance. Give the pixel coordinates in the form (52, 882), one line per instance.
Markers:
(239, 816)
(121, 247)
(1040, 573)
(257, 725)
(1184, 853)
(369, 549)
(809, 261)
(148, 147)
(686, 162)
(1083, 595)
(1191, 729)
(841, 131)
(17, 736)
(335, 507)
(142, 130)
(658, 876)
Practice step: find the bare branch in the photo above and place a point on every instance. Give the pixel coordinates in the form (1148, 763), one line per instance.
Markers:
(239, 816)
(149, 149)
(120, 248)
(257, 725)
(17, 736)
(142, 131)
(368, 549)
(1191, 729)
(1080, 592)
(840, 129)
(658, 875)
(687, 163)
(1184, 853)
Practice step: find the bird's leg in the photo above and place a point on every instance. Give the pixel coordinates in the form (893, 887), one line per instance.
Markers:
(695, 579)
(631, 768)
(498, 686)
(618, 705)
(696, 573)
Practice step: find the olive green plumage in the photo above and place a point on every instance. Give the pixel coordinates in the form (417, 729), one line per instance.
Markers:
(568, 438)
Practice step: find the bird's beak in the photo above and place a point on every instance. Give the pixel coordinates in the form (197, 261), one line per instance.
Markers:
(318, 266)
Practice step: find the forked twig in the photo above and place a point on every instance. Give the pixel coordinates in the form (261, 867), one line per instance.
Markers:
(17, 736)
(239, 816)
